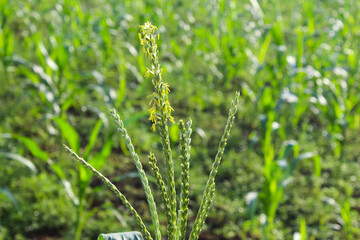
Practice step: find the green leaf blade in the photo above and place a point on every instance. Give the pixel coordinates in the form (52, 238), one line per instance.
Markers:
(121, 236)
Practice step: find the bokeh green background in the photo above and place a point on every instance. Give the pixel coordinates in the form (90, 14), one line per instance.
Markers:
(295, 141)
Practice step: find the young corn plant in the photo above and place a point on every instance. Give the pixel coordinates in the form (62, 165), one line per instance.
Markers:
(278, 165)
(81, 199)
(160, 116)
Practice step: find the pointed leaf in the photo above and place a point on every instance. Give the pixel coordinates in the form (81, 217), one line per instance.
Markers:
(98, 161)
(93, 136)
(33, 147)
(69, 133)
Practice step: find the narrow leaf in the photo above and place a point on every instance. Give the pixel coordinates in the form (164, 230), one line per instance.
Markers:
(121, 236)
(93, 137)
(69, 133)
(20, 159)
(32, 146)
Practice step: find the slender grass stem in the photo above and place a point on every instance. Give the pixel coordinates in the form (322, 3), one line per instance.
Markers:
(143, 177)
(163, 191)
(116, 191)
(169, 164)
(210, 185)
(185, 140)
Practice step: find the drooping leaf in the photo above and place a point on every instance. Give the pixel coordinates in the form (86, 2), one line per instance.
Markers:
(300, 157)
(10, 196)
(69, 191)
(32, 146)
(289, 147)
(121, 236)
(20, 159)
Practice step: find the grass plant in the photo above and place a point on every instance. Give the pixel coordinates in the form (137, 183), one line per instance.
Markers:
(64, 63)
(161, 115)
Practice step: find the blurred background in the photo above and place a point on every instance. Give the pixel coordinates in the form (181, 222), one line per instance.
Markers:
(292, 165)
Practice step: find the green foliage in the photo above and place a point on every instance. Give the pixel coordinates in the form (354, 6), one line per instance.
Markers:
(121, 236)
(294, 149)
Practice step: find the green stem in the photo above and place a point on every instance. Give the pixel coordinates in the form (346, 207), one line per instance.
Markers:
(79, 225)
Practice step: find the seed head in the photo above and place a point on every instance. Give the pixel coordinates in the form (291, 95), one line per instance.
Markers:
(160, 108)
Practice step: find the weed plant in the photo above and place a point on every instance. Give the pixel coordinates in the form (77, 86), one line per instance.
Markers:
(161, 116)
(63, 63)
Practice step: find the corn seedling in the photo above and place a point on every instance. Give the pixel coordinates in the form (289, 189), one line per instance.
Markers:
(160, 116)
(81, 200)
(302, 235)
(278, 167)
(347, 215)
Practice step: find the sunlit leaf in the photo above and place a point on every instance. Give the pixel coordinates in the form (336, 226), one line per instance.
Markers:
(121, 236)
